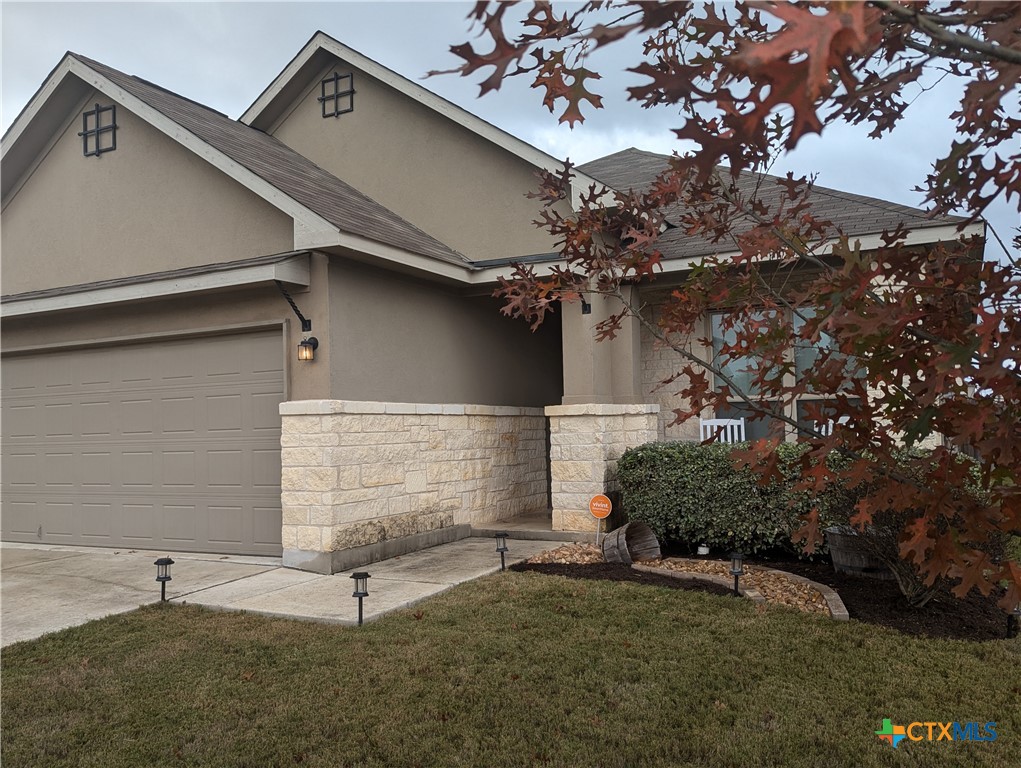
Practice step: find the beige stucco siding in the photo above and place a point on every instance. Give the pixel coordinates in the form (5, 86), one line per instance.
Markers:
(222, 312)
(148, 206)
(402, 340)
(448, 181)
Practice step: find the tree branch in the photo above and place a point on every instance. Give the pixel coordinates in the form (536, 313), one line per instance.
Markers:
(963, 43)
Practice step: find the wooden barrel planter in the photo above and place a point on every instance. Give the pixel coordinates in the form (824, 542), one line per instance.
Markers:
(850, 557)
(631, 542)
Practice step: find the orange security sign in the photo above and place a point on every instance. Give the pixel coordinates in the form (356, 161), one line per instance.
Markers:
(600, 506)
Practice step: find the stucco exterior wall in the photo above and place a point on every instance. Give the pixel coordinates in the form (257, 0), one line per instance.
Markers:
(148, 206)
(404, 340)
(356, 474)
(220, 312)
(458, 187)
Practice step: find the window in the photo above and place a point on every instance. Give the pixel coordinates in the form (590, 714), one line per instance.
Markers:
(338, 94)
(742, 370)
(99, 130)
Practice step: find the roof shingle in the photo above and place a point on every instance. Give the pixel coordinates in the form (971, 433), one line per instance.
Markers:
(856, 215)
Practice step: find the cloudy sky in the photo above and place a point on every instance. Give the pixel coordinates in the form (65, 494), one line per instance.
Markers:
(224, 54)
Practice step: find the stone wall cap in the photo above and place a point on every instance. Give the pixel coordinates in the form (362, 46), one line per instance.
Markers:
(332, 407)
(603, 409)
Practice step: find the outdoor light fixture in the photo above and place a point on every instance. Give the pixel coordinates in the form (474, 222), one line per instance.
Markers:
(361, 590)
(736, 569)
(163, 575)
(501, 547)
(307, 348)
(1014, 622)
(586, 308)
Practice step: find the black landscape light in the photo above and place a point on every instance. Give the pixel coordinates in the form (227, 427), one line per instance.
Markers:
(736, 570)
(501, 547)
(1014, 622)
(163, 575)
(361, 590)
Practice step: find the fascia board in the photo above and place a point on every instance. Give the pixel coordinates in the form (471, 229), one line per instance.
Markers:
(294, 271)
(397, 256)
(424, 96)
(36, 103)
(930, 235)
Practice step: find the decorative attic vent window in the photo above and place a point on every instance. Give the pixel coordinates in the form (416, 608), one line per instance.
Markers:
(338, 94)
(99, 130)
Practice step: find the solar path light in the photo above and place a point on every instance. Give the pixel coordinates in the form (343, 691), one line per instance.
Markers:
(501, 547)
(361, 590)
(736, 570)
(163, 575)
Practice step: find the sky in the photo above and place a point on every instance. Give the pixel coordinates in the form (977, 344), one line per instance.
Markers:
(224, 54)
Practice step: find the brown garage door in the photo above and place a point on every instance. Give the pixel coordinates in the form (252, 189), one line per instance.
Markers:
(173, 445)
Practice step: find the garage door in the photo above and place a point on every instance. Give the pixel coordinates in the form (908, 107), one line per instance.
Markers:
(172, 445)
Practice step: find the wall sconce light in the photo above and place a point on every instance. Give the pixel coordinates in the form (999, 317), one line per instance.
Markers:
(586, 308)
(163, 575)
(307, 348)
(361, 590)
(501, 547)
(736, 569)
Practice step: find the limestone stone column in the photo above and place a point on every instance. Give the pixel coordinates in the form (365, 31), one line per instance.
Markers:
(586, 440)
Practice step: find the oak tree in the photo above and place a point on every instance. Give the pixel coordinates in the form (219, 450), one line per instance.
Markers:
(907, 345)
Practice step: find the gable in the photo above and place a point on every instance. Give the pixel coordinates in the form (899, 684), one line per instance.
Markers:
(150, 205)
(454, 184)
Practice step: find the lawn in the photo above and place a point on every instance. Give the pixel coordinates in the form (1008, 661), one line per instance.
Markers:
(515, 669)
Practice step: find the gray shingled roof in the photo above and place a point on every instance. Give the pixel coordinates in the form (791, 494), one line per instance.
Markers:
(293, 174)
(856, 214)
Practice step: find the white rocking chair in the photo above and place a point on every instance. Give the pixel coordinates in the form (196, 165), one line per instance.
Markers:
(724, 430)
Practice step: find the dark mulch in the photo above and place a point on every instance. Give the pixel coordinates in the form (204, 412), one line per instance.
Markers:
(873, 601)
(974, 618)
(619, 572)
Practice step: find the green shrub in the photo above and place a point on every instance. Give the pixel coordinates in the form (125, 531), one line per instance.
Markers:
(691, 493)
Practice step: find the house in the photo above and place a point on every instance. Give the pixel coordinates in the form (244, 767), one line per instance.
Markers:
(276, 335)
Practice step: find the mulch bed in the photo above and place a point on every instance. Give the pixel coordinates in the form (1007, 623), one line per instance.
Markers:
(974, 618)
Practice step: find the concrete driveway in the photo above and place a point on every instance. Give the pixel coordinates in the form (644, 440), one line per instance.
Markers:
(44, 589)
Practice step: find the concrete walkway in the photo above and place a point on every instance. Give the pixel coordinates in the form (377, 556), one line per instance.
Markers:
(47, 588)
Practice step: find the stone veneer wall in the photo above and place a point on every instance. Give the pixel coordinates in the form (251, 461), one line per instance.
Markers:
(659, 362)
(358, 474)
(585, 443)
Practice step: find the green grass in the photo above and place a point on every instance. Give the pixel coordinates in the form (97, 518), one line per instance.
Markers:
(515, 669)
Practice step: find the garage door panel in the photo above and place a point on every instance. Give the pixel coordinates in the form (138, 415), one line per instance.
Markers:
(97, 523)
(59, 519)
(23, 469)
(96, 418)
(266, 469)
(96, 470)
(223, 413)
(58, 419)
(136, 417)
(225, 469)
(144, 455)
(226, 524)
(21, 518)
(20, 421)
